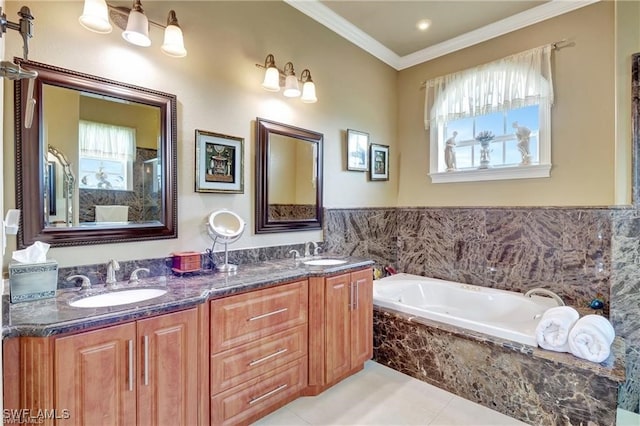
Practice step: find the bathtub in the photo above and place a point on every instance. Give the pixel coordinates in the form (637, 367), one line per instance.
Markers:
(504, 314)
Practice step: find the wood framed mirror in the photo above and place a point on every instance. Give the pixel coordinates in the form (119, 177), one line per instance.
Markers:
(288, 178)
(635, 126)
(120, 144)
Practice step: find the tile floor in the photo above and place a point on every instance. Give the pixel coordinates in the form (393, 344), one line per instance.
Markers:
(379, 395)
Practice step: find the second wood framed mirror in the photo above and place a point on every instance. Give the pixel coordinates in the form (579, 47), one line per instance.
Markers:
(288, 178)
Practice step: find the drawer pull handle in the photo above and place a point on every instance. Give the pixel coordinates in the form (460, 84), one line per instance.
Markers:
(263, 359)
(130, 344)
(268, 314)
(268, 394)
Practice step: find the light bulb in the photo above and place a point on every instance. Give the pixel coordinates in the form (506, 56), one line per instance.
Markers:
(95, 16)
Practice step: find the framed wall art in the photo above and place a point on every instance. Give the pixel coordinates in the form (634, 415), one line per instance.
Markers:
(379, 162)
(357, 148)
(219, 163)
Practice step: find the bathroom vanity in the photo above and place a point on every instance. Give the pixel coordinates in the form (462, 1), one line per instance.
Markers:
(215, 349)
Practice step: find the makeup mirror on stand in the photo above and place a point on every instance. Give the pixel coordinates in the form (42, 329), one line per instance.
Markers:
(225, 227)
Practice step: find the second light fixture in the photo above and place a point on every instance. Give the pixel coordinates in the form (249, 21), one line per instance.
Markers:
(273, 76)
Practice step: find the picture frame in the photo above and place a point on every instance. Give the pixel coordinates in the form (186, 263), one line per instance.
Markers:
(357, 149)
(379, 160)
(219, 163)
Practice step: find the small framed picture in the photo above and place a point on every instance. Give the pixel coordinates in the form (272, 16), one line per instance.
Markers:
(357, 148)
(219, 163)
(379, 162)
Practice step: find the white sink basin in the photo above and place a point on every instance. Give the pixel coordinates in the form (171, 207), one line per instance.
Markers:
(324, 262)
(118, 297)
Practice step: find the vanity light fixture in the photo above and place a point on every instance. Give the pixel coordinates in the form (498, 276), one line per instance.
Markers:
(274, 78)
(97, 16)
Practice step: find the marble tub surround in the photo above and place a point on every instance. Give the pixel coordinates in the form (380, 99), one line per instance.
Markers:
(55, 316)
(576, 252)
(530, 384)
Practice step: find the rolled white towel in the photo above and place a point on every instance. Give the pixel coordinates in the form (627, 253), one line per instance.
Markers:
(591, 338)
(552, 332)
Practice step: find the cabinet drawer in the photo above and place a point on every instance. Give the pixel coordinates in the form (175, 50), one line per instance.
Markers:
(240, 404)
(247, 317)
(237, 365)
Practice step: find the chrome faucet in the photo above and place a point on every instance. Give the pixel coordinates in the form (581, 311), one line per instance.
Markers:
(307, 247)
(112, 267)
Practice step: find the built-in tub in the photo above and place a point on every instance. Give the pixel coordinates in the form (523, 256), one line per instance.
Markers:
(504, 314)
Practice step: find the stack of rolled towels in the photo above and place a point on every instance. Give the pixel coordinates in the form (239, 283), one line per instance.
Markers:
(562, 330)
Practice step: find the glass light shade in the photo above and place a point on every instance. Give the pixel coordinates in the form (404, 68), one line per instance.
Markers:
(95, 16)
(271, 79)
(309, 93)
(173, 42)
(291, 88)
(137, 31)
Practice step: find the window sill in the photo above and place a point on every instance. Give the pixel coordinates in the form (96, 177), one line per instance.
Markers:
(501, 173)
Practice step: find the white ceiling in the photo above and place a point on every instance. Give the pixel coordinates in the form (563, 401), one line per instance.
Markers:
(387, 28)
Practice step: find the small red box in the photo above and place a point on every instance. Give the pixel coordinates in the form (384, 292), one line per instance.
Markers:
(186, 261)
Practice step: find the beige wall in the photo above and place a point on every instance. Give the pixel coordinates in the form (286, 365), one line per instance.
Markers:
(627, 43)
(218, 89)
(583, 120)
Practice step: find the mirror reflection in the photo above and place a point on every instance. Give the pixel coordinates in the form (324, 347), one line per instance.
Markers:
(98, 164)
(288, 178)
(293, 178)
(111, 145)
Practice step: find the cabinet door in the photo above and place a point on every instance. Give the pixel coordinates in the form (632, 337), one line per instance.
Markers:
(95, 376)
(338, 326)
(362, 318)
(168, 374)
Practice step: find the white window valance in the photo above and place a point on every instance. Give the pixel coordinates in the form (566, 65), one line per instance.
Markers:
(512, 82)
(106, 141)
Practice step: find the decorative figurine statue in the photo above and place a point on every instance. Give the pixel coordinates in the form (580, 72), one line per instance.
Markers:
(450, 152)
(523, 133)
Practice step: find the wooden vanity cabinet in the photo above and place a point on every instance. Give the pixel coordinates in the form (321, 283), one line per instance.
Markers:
(258, 352)
(142, 373)
(341, 324)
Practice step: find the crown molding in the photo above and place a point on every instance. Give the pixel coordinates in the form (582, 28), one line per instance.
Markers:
(523, 19)
(325, 16)
(336, 23)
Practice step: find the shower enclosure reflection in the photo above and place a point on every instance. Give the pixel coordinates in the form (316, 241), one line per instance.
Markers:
(59, 191)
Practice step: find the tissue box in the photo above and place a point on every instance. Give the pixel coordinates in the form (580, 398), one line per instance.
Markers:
(32, 281)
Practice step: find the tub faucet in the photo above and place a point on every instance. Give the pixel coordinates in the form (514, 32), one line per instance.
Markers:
(307, 248)
(112, 267)
(546, 292)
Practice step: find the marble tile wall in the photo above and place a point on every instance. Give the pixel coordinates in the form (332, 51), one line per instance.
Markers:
(370, 233)
(625, 298)
(565, 250)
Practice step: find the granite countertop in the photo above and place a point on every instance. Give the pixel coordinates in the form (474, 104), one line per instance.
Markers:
(48, 317)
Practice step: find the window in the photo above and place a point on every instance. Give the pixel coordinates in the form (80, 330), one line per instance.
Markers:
(106, 156)
(492, 122)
